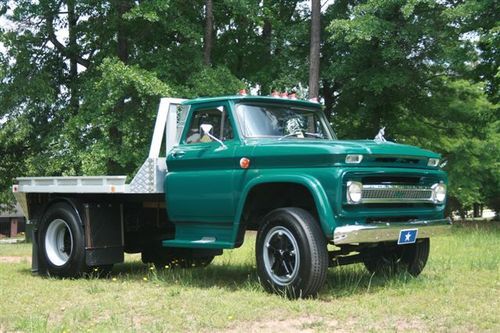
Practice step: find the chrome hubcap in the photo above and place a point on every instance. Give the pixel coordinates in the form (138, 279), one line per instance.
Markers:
(281, 256)
(58, 242)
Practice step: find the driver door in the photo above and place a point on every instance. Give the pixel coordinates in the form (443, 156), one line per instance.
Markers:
(200, 178)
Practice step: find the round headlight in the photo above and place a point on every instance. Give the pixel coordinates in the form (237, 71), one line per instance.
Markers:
(354, 192)
(439, 192)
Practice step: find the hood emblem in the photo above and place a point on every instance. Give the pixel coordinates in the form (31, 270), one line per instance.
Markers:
(380, 136)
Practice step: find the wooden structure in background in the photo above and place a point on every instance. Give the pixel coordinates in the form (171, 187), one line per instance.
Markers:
(12, 223)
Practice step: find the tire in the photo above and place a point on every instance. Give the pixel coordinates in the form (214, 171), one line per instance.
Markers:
(291, 253)
(390, 259)
(61, 242)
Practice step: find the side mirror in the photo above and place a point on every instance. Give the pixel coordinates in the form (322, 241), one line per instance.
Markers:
(206, 128)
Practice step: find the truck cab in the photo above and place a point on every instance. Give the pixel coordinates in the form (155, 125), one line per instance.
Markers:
(239, 163)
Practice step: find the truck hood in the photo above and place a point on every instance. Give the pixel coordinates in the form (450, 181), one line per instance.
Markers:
(332, 152)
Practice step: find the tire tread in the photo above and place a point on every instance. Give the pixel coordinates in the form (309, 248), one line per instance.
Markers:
(316, 242)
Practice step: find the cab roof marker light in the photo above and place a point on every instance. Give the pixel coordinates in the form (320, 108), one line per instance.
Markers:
(353, 159)
(433, 162)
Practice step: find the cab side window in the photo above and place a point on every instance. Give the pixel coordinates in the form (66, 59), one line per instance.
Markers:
(220, 125)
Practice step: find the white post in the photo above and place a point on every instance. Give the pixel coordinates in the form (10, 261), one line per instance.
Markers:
(171, 129)
(167, 113)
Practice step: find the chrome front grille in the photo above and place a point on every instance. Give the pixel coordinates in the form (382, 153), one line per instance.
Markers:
(396, 194)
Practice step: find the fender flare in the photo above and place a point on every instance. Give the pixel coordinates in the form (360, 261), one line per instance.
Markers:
(71, 202)
(323, 207)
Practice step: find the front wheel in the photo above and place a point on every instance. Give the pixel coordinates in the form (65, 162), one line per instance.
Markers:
(390, 259)
(291, 253)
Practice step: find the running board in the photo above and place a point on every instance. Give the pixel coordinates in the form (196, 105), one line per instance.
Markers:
(203, 243)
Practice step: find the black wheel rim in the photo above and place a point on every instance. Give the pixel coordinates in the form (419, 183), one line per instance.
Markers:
(281, 256)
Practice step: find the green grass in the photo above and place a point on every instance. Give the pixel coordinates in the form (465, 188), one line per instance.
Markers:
(458, 291)
(16, 249)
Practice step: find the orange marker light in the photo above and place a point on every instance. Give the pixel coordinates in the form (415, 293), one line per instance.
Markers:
(244, 163)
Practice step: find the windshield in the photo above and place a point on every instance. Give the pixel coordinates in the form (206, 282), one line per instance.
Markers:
(282, 121)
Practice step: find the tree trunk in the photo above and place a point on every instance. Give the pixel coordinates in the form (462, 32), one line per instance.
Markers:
(314, 49)
(122, 51)
(328, 95)
(477, 210)
(74, 103)
(208, 37)
(122, 7)
(266, 56)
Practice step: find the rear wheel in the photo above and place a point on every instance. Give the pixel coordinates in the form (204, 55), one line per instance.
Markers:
(291, 253)
(61, 241)
(390, 259)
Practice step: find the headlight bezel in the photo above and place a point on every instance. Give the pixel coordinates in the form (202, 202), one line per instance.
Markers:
(354, 192)
(439, 193)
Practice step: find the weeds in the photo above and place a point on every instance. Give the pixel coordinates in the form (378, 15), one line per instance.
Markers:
(457, 291)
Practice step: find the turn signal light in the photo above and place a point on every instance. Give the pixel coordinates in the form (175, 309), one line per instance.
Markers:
(353, 159)
(433, 162)
(244, 163)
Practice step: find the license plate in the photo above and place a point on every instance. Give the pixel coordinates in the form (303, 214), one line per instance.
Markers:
(407, 236)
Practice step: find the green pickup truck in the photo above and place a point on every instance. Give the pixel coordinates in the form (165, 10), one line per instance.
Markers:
(239, 163)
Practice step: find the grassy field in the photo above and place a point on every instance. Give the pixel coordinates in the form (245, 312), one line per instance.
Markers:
(459, 291)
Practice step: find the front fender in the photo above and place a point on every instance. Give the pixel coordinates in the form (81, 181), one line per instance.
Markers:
(323, 207)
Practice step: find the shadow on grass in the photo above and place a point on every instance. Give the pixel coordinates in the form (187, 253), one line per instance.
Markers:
(26, 271)
(231, 277)
(352, 280)
(342, 281)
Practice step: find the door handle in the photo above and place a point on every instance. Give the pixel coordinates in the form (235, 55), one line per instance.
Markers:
(178, 154)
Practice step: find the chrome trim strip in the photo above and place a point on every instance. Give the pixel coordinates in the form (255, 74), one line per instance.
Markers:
(385, 193)
(384, 231)
(396, 200)
(398, 187)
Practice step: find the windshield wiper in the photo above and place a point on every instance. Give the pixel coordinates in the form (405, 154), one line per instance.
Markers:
(316, 135)
(290, 134)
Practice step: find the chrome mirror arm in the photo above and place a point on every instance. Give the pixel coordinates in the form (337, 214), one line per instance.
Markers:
(206, 128)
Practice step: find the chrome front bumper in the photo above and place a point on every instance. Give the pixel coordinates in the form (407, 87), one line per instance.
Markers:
(385, 231)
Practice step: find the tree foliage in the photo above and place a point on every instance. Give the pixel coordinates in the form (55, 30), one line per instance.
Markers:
(81, 79)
